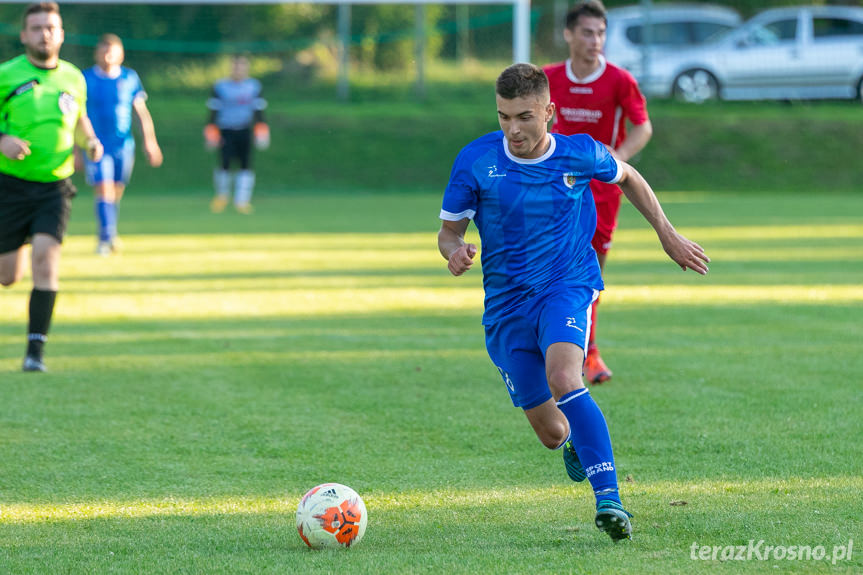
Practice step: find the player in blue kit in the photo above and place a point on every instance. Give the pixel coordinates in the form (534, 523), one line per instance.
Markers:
(113, 92)
(528, 193)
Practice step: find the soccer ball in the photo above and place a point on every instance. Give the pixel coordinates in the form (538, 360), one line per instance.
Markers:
(331, 515)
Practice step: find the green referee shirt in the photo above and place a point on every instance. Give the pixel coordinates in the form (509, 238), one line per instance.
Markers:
(42, 107)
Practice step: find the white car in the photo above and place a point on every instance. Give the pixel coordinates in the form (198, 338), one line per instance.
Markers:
(673, 26)
(806, 52)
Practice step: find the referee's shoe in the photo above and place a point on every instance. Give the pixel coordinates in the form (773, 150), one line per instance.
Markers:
(33, 363)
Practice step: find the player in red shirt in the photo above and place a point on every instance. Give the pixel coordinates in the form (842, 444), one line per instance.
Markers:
(595, 97)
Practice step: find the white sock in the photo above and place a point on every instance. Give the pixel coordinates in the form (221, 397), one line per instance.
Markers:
(244, 184)
(222, 183)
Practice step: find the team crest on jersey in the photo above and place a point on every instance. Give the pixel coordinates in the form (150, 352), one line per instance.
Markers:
(569, 179)
(66, 102)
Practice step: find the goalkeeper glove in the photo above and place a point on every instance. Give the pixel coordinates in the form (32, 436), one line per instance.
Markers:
(212, 136)
(262, 136)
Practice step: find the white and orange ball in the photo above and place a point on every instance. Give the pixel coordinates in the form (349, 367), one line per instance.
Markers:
(331, 515)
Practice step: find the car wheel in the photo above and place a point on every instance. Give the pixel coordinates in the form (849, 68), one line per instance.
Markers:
(696, 86)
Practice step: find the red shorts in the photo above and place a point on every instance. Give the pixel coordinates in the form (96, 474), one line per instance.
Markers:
(606, 222)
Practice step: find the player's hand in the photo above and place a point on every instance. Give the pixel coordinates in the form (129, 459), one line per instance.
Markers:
(14, 148)
(687, 254)
(262, 136)
(461, 260)
(212, 136)
(94, 149)
(154, 155)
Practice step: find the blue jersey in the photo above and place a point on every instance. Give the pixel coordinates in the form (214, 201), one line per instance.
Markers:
(109, 105)
(535, 217)
(235, 104)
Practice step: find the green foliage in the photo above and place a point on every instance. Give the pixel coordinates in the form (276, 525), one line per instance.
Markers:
(382, 35)
(386, 37)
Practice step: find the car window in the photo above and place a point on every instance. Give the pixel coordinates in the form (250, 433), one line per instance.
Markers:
(701, 31)
(828, 27)
(664, 34)
(773, 33)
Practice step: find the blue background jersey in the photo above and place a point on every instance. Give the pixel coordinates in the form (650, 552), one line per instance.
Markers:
(235, 103)
(535, 217)
(109, 105)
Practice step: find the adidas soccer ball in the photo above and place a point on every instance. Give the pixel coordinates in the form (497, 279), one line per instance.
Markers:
(331, 515)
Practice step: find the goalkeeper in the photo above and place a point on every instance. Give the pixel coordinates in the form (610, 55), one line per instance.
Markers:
(236, 118)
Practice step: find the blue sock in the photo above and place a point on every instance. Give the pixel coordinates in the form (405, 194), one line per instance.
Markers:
(113, 211)
(107, 214)
(589, 435)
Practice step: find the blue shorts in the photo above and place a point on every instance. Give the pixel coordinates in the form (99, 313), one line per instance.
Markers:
(517, 342)
(115, 165)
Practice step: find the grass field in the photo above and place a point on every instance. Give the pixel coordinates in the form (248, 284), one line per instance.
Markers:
(220, 366)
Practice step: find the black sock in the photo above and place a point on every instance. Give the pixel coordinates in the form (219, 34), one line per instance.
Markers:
(41, 310)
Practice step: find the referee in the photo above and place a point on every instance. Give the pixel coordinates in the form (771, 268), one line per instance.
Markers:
(42, 117)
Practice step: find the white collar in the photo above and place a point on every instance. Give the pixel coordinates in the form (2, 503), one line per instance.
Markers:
(588, 79)
(538, 160)
(102, 74)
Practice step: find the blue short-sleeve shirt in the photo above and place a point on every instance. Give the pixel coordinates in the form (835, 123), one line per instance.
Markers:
(109, 105)
(535, 217)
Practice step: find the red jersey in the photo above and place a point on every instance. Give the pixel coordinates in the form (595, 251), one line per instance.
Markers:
(597, 105)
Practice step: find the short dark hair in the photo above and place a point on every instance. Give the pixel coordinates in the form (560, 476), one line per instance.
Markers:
(521, 80)
(39, 8)
(589, 8)
(110, 40)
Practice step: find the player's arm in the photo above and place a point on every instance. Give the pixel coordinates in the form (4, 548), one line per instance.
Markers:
(450, 242)
(686, 253)
(261, 129)
(85, 138)
(212, 134)
(634, 142)
(79, 159)
(148, 130)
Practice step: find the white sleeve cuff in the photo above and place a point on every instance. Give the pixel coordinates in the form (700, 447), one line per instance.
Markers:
(451, 217)
(618, 175)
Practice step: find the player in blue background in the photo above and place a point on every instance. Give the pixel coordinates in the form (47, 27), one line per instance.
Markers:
(528, 193)
(113, 92)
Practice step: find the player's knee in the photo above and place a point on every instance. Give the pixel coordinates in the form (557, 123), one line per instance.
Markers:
(563, 380)
(553, 435)
(44, 271)
(8, 278)
(552, 441)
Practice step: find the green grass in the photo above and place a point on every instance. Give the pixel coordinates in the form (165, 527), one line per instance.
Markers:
(208, 376)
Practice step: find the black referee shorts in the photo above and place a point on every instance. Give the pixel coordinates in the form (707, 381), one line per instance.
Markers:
(237, 144)
(28, 208)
